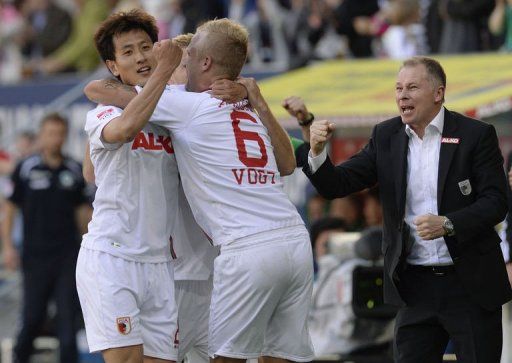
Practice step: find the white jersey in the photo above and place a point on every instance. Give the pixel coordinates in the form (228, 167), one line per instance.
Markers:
(227, 165)
(136, 196)
(193, 251)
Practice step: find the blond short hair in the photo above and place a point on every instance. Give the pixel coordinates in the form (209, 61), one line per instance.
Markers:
(183, 40)
(226, 42)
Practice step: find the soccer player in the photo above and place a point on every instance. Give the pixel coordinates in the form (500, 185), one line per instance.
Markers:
(263, 275)
(124, 269)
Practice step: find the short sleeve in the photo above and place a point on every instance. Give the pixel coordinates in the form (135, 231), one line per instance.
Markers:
(97, 119)
(175, 108)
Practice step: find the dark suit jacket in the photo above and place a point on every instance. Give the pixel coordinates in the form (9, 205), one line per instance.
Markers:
(476, 157)
(509, 215)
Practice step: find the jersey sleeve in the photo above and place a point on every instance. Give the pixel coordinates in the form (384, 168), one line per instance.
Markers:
(175, 109)
(97, 119)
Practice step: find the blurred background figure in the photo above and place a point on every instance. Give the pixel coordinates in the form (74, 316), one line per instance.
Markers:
(500, 22)
(49, 190)
(350, 210)
(11, 23)
(47, 26)
(372, 210)
(465, 25)
(334, 325)
(78, 52)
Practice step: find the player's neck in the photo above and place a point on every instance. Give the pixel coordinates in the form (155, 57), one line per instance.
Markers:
(52, 159)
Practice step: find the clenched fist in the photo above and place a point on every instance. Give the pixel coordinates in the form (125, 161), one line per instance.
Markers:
(321, 132)
(429, 226)
(296, 107)
(168, 54)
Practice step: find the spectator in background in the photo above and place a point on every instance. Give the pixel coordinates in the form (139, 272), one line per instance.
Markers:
(372, 209)
(169, 17)
(49, 189)
(500, 22)
(350, 209)
(77, 53)
(344, 17)
(397, 25)
(11, 24)
(47, 26)
(465, 25)
(198, 11)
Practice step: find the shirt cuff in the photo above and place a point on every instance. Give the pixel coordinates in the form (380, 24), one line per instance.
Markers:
(315, 162)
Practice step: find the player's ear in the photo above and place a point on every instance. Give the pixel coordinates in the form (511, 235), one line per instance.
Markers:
(112, 67)
(207, 63)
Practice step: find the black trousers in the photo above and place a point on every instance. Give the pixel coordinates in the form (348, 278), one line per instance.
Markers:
(438, 309)
(45, 278)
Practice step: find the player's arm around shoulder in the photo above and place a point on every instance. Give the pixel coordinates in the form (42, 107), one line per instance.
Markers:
(110, 92)
(283, 149)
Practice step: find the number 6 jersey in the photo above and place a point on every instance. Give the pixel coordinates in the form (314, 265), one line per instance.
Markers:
(227, 165)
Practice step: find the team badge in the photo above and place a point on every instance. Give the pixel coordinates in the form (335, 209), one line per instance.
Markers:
(66, 179)
(465, 187)
(124, 325)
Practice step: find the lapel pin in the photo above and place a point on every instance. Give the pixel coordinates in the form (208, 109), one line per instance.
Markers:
(450, 140)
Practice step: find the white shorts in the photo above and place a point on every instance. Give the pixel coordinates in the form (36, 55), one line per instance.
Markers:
(127, 303)
(262, 288)
(193, 298)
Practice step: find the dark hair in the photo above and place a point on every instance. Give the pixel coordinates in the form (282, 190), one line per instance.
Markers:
(433, 67)
(119, 23)
(324, 224)
(54, 117)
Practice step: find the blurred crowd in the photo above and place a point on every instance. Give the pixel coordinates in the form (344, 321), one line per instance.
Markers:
(41, 37)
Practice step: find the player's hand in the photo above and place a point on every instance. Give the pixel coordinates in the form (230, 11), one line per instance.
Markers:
(11, 259)
(253, 90)
(228, 91)
(167, 54)
(296, 107)
(510, 178)
(321, 132)
(429, 226)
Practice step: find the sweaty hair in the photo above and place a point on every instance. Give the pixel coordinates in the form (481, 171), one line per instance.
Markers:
(54, 117)
(119, 23)
(183, 40)
(226, 42)
(434, 70)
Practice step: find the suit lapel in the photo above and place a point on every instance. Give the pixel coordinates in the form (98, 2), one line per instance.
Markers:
(399, 146)
(446, 154)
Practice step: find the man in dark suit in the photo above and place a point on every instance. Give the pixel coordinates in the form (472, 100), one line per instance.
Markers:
(443, 189)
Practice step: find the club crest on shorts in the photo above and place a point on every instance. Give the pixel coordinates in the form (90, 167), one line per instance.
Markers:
(124, 325)
(465, 187)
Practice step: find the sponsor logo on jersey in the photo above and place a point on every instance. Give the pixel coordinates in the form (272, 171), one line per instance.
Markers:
(153, 142)
(104, 114)
(124, 325)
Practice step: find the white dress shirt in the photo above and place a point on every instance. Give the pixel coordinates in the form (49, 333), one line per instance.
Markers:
(421, 197)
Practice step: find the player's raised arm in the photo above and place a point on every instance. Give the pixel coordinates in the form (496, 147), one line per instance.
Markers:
(139, 110)
(297, 108)
(283, 149)
(110, 92)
